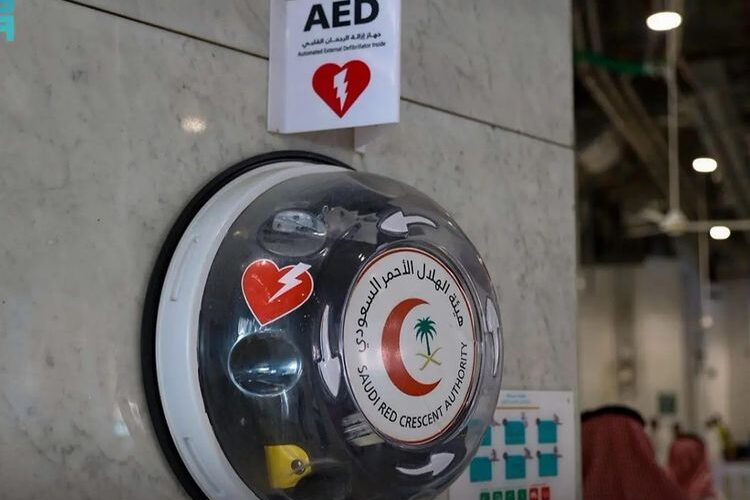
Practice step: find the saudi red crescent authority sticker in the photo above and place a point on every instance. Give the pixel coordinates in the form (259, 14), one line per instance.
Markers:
(409, 346)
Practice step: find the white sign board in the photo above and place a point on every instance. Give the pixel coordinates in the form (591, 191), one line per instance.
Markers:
(528, 453)
(334, 64)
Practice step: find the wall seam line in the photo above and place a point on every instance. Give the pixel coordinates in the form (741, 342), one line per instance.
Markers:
(410, 100)
(487, 123)
(165, 28)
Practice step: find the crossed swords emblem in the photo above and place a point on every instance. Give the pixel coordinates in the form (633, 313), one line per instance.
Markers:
(429, 358)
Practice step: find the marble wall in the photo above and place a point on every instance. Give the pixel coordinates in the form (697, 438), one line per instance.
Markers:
(647, 324)
(506, 63)
(96, 166)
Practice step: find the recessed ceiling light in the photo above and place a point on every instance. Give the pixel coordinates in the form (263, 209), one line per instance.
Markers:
(704, 165)
(720, 232)
(664, 21)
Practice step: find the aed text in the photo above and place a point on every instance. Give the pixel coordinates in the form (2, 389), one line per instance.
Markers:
(364, 11)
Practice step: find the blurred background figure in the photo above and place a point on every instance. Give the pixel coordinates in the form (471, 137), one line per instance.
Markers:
(690, 468)
(713, 441)
(618, 460)
(661, 439)
(676, 430)
(719, 443)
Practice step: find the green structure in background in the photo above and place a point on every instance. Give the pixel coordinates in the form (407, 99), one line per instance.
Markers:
(618, 65)
(667, 403)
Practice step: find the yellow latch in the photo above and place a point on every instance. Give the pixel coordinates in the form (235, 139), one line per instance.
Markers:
(287, 464)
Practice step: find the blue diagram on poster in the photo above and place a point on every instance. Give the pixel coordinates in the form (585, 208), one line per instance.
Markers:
(547, 431)
(480, 470)
(515, 467)
(548, 464)
(515, 432)
(487, 439)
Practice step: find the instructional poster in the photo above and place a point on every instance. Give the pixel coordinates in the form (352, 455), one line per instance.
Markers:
(528, 453)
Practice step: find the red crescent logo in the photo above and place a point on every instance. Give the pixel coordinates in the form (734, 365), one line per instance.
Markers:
(391, 351)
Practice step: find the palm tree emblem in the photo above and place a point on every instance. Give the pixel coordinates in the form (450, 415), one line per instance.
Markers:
(425, 329)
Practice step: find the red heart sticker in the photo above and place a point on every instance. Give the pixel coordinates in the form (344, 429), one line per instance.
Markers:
(272, 293)
(341, 86)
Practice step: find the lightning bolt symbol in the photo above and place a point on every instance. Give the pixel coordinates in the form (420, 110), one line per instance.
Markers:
(340, 84)
(290, 280)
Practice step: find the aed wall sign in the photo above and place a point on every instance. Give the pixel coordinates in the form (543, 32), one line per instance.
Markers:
(334, 64)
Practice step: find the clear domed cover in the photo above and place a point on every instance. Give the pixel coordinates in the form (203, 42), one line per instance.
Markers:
(348, 341)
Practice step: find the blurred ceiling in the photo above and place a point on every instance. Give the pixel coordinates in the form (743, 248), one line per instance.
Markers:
(621, 127)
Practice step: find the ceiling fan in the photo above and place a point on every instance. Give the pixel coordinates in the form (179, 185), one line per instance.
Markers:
(674, 222)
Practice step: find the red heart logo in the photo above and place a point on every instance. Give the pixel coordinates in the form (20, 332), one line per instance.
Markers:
(341, 86)
(272, 293)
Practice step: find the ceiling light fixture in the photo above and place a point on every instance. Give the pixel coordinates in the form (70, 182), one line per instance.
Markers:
(664, 21)
(720, 232)
(704, 165)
